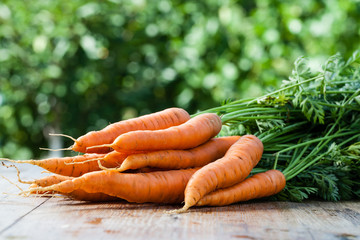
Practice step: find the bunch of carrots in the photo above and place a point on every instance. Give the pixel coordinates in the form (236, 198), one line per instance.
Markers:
(164, 157)
(306, 134)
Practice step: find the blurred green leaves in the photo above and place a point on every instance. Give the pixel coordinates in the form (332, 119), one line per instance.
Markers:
(75, 66)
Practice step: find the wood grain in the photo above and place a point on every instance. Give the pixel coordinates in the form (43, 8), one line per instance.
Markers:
(60, 218)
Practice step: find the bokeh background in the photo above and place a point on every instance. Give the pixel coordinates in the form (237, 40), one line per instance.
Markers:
(76, 66)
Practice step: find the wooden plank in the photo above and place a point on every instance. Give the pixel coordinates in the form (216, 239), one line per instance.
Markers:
(60, 218)
(13, 207)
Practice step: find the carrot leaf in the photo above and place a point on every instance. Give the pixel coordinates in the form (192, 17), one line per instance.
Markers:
(310, 128)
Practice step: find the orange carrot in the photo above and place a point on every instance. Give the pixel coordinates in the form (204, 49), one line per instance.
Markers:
(155, 121)
(234, 167)
(62, 165)
(113, 159)
(45, 182)
(190, 134)
(92, 197)
(158, 187)
(48, 180)
(144, 170)
(55, 179)
(257, 186)
(178, 159)
(77, 194)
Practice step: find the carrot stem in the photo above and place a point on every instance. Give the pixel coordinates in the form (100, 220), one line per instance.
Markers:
(267, 137)
(289, 174)
(348, 140)
(296, 159)
(311, 141)
(286, 88)
(276, 160)
(304, 164)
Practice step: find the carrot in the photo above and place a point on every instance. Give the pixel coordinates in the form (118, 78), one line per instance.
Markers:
(190, 134)
(234, 167)
(158, 187)
(44, 182)
(257, 186)
(115, 159)
(145, 170)
(91, 197)
(62, 165)
(55, 179)
(48, 180)
(112, 159)
(178, 159)
(154, 121)
(77, 194)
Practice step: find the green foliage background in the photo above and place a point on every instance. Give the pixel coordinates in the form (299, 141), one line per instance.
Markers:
(75, 66)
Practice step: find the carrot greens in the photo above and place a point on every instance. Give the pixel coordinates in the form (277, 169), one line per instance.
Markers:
(310, 128)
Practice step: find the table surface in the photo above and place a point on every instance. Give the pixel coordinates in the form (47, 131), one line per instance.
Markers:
(61, 218)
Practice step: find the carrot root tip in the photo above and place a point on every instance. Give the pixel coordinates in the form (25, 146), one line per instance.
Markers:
(60, 149)
(105, 168)
(8, 160)
(18, 172)
(184, 209)
(35, 190)
(99, 146)
(12, 183)
(63, 135)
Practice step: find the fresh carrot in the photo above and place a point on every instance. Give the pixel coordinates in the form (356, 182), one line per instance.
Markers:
(190, 134)
(112, 159)
(234, 167)
(77, 194)
(144, 170)
(154, 121)
(157, 187)
(45, 182)
(63, 165)
(48, 180)
(115, 159)
(179, 159)
(257, 186)
(55, 179)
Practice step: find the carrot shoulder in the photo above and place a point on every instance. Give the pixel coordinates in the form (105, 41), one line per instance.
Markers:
(157, 187)
(179, 159)
(234, 167)
(257, 186)
(190, 134)
(159, 120)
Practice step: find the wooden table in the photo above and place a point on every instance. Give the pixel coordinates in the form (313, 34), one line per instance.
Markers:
(61, 218)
